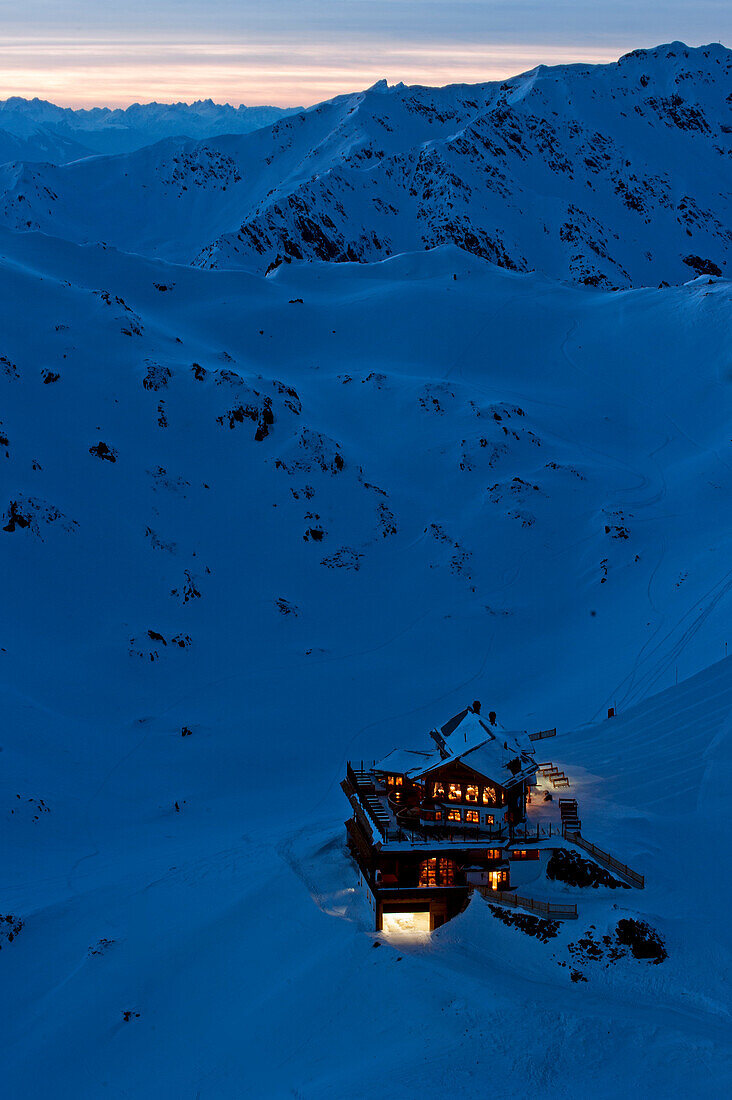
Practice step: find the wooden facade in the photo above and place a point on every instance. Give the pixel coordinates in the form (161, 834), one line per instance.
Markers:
(429, 826)
(433, 882)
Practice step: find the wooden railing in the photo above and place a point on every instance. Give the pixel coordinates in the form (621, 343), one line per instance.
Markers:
(441, 834)
(532, 833)
(543, 734)
(557, 910)
(613, 864)
(363, 843)
(361, 819)
(350, 773)
(352, 780)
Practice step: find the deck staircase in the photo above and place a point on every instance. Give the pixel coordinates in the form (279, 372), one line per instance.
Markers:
(632, 877)
(363, 778)
(570, 815)
(554, 774)
(572, 830)
(363, 782)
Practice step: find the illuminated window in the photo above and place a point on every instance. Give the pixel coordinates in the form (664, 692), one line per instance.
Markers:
(434, 872)
(456, 792)
(493, 853)
(453, 815)
(471, 793)
(390, 780)
(489, 819)
(438, 815)
(428, 873)
(398, 780)
(472, 816)
(447, 872)
(523, 853)
(489, 796)
(497, 879)
(438, 791)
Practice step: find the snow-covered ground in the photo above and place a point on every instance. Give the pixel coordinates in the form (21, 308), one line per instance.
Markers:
(307, 518)
(442, 574)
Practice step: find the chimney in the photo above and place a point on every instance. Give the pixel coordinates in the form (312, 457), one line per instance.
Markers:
(611, 712)
(476, 706)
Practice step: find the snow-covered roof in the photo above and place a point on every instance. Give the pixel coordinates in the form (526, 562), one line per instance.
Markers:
(496, 754)
(403, 761)
(450, 726)
(503, 757)
(468, 728)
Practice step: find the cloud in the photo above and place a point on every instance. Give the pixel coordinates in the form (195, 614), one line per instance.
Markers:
(283, 72)
(291, 52)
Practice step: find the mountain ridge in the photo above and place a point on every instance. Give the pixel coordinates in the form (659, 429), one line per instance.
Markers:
(599, 174)
(39, 130)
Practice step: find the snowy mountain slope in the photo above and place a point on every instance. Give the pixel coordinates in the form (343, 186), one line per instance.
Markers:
(614, 175)
(567, 170)
(168, 198)
(40, 145)
(35, 130)
(531, 416)
(305, 517)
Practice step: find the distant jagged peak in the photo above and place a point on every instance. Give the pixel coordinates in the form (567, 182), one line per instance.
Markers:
(36, 130)
(18, 103)
(36, 104)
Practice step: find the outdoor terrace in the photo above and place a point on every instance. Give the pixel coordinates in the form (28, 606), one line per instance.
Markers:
(396, 834)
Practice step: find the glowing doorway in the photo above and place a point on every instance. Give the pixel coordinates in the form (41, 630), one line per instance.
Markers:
(406, 924)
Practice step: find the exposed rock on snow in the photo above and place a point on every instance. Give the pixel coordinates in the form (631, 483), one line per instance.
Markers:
(10, 928)
(314, 452)
(344, 558)
(9, 369)
(104, 451)
(156, 376)
(33, 513)
(630, 937)
(188, 590)
(148, 645)
(285, 607)
(539, 927)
